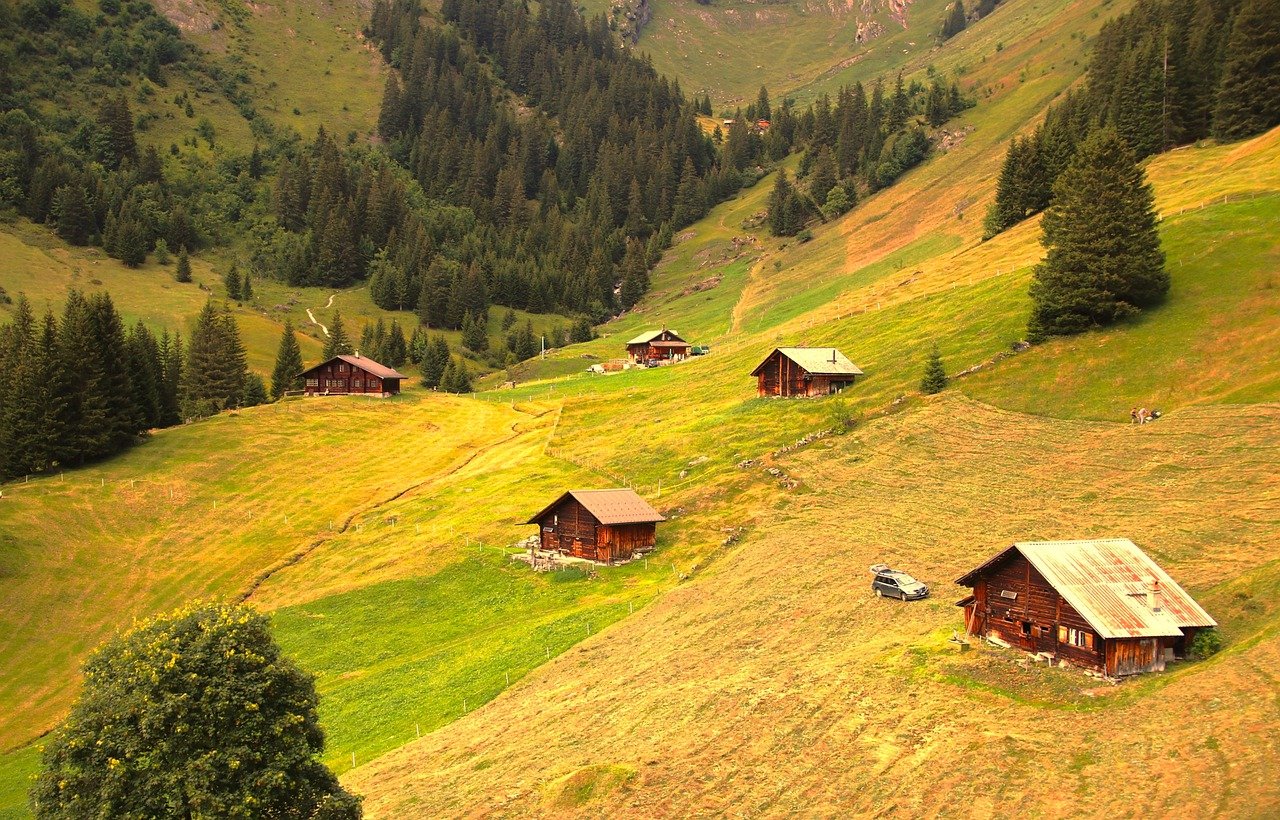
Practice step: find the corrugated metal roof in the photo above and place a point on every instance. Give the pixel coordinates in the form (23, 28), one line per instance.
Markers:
(816, 360)
(650, 335)
(364, 363)
(621, 506)
(670, 344)
(1106, 581)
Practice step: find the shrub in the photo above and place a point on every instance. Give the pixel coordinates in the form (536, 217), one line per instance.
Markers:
(1206, 643)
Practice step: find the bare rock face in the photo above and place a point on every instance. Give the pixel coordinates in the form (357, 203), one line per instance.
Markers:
(190, 16)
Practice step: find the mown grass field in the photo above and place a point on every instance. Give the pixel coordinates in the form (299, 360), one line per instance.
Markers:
(755, 673)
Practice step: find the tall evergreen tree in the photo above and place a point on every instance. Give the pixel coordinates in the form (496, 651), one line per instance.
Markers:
(1249, 92)
(337, 342)
(395, 350)
(182, 272)
(75, 217)
(1104, 261)
(287, 374)
(215, 371)
(232, 282)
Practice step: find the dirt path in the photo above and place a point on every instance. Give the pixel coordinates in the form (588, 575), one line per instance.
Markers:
(312, 316)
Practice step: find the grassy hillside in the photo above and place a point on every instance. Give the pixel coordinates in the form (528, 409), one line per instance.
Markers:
(744, 666)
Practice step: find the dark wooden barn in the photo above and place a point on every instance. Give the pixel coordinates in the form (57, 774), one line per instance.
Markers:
(1100, 604)
(656, 346)
(804, 371)
(346, 375)
(599, 525)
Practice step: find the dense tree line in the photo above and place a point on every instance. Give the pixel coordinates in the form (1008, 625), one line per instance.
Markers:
(858, 145)
(1167, 73)
(82, 386)
(573, 197)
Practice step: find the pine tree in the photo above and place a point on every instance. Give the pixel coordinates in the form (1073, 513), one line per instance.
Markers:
(823, 176)
(395, 350)
(287, 374)
(434, 361)
(75, 218)
(1249, 92)
(780, 208)
(955, 22)
(935, 376)
(182, 273)
(146, 372)
(582, 331)
(508, 320)
(215, 370)
(246, 288)
(255, 391)
(474, 336)
(162, 251)
(337, 342)
(1104, 261)
(232, 282)
(763, 110)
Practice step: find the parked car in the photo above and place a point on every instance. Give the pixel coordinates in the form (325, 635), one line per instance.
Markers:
(892, 583)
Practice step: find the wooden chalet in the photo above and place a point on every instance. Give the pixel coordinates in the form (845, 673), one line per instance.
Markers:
(657, 345)
(599, 525)
(804, 371)
(348, 375)
(1100, 604)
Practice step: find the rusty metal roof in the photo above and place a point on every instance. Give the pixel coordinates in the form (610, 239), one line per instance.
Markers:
(620, 506)
(680, 343)
(650, 335)
(364, 363)
(1106, 581)
(818, 361)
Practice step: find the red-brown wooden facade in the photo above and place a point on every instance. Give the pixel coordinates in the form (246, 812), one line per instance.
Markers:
(571, 527)
(351, 375)
(657, 345)
(1015, 603)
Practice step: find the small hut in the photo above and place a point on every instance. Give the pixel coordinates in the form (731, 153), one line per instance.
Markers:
(351, 375)
(804, 371)
(1101, 604)
(599, 525)
(657, 346)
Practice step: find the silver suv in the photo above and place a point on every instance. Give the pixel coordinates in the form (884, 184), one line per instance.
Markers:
(892, 583)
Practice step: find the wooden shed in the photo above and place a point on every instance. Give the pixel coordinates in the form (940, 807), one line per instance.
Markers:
(804, 371)
(1102, 604)
(599, 525)
(656, 346)
(345, 375)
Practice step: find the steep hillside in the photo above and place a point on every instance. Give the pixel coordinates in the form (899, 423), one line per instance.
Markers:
(743, 667)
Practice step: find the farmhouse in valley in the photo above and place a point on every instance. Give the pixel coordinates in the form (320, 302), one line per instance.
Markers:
(804, 371)
(1101, 604)
(351, 375)
(599, 525)
(657, 346)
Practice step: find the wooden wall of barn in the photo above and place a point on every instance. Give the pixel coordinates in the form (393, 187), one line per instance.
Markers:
(569, 528)
(1037, 604)
(620, 542)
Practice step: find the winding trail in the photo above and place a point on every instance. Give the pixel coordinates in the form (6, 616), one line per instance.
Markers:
(312, 316)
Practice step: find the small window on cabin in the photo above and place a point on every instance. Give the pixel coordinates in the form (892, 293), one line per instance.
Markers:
(313, 382)
(1062, 634)
(1026, 628)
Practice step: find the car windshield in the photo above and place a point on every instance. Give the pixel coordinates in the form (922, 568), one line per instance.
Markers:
(908, 581)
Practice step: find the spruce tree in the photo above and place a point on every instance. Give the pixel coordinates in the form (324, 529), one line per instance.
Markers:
(182, 273)
(395, 350)
(434, 361)
(75, 217)
(255, 391)
(215, 371)
(582, 331)
(935, 376)
(780, 207)
(474, 336)
(287, 374)
(337, 343)
(1249, 91)
(232, 282)
(1104, 261)
(246, 288)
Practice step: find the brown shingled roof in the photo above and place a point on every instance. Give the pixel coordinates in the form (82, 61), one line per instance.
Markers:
(621, 506)
(364, 363)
